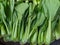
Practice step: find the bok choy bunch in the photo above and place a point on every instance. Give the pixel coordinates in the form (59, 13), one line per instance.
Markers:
(33, 21)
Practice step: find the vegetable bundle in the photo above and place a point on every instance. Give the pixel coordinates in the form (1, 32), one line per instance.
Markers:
(33, 21)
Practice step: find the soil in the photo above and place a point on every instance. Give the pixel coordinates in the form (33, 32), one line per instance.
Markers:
(10, 42)
(56, 42)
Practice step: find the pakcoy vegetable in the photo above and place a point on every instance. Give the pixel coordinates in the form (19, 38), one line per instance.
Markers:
(32, 21)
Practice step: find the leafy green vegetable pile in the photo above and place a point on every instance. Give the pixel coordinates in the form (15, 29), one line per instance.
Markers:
(33, 21)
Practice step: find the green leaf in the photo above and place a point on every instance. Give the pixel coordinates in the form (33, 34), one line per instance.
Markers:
(2, 13)
(21, 8)
(34, 38)
(52, 6)
(3, 31)
(48, 32)
(11, 4)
